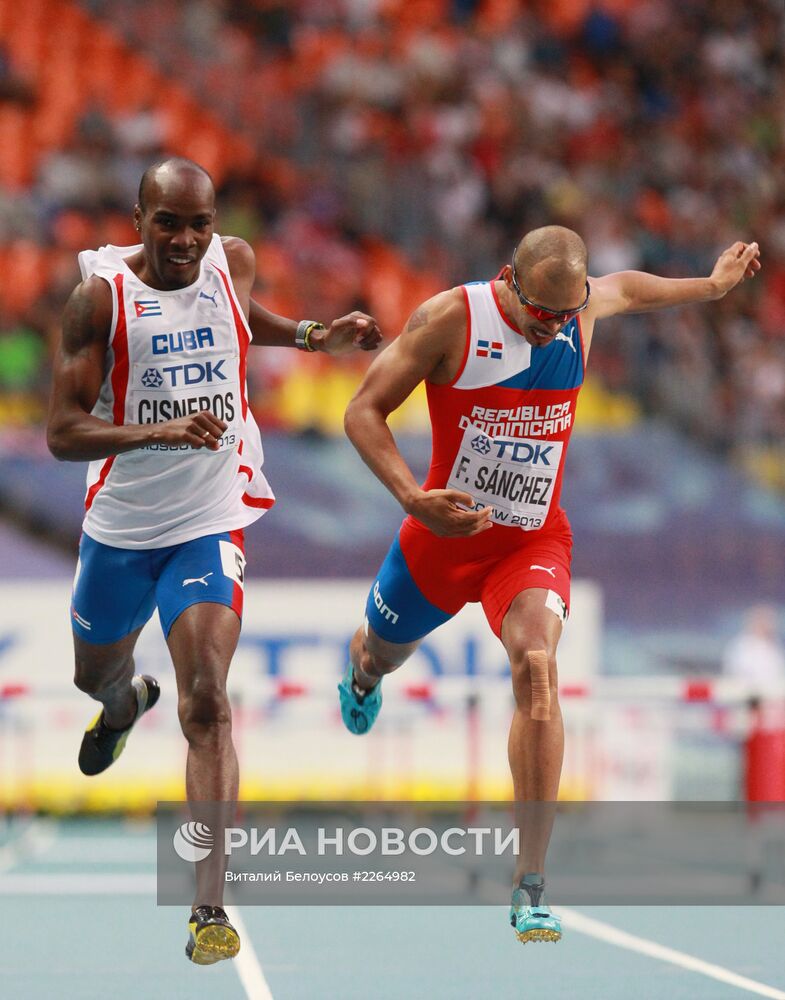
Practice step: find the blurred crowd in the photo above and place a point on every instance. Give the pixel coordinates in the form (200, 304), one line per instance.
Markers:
(394, 147)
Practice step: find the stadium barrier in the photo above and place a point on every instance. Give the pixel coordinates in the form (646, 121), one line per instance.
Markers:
(442, 733)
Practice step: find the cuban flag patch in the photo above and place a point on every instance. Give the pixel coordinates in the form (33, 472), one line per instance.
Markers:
(147, 307)
(490, 349)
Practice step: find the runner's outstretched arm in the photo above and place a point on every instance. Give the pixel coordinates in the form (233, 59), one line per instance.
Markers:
(356, 331)
(636, 291)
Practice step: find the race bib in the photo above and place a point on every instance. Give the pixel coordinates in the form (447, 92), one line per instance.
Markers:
(516, 477)
(232, 562)
(165, 390)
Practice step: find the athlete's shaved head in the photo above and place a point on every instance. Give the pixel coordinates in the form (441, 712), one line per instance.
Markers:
(546, 282)
(175, 216)
(165, 171)
(549, 259)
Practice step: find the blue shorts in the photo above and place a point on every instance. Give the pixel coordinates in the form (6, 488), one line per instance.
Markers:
(116, 590)
(397, 610)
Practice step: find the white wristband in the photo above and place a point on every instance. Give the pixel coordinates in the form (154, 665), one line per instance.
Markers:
(302, 338)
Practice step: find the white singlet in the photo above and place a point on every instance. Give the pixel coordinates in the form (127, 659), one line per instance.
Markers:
(173, 353)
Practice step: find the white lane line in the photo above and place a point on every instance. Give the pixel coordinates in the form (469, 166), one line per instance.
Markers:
(82, 884)
(101, 849)
(35, 839)
(248, 966)
(612, 935)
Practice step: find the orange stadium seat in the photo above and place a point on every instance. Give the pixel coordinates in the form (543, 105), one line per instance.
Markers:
(74, 61)
(106, 58)
(52, 124)
(183, 115)
(74, 230)
(393, 287)
(67, 20)
(29, 266)
(314, 49)
(17, 160)
(26, 40)
(498, 15)
(139, 85)
(416, 13)
(205, 142)
(119, 230)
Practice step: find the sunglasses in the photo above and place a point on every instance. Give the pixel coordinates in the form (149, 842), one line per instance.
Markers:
(542, 313)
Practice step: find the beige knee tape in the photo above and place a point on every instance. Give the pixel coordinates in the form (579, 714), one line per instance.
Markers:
(541, 691)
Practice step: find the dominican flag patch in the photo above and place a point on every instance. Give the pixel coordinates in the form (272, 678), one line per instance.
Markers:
(490, 349)
(147, 307)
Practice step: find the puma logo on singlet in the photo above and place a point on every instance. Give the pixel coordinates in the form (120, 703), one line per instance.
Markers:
(563, 336)
(204, 295)
(198, 579)
(546, 569)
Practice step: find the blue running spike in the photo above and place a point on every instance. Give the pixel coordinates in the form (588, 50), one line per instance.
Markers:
(359, 712)
(530, 917)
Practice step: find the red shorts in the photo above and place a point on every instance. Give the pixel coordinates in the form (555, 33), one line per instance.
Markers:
(491, 568)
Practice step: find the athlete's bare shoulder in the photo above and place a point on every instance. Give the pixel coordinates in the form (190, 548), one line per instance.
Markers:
(242, 267)
(442, 320)
(443, 309)
(87, 318)
(237, 249)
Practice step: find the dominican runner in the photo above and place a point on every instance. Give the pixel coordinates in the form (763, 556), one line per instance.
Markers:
(150, 389)
(503, 362)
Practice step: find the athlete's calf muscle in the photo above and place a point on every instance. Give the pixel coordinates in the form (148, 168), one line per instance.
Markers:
(376, 656)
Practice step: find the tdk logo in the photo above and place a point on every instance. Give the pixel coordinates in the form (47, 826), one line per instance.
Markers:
(193, 373)
(524, 451)
(152, 379)
(183, 340)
